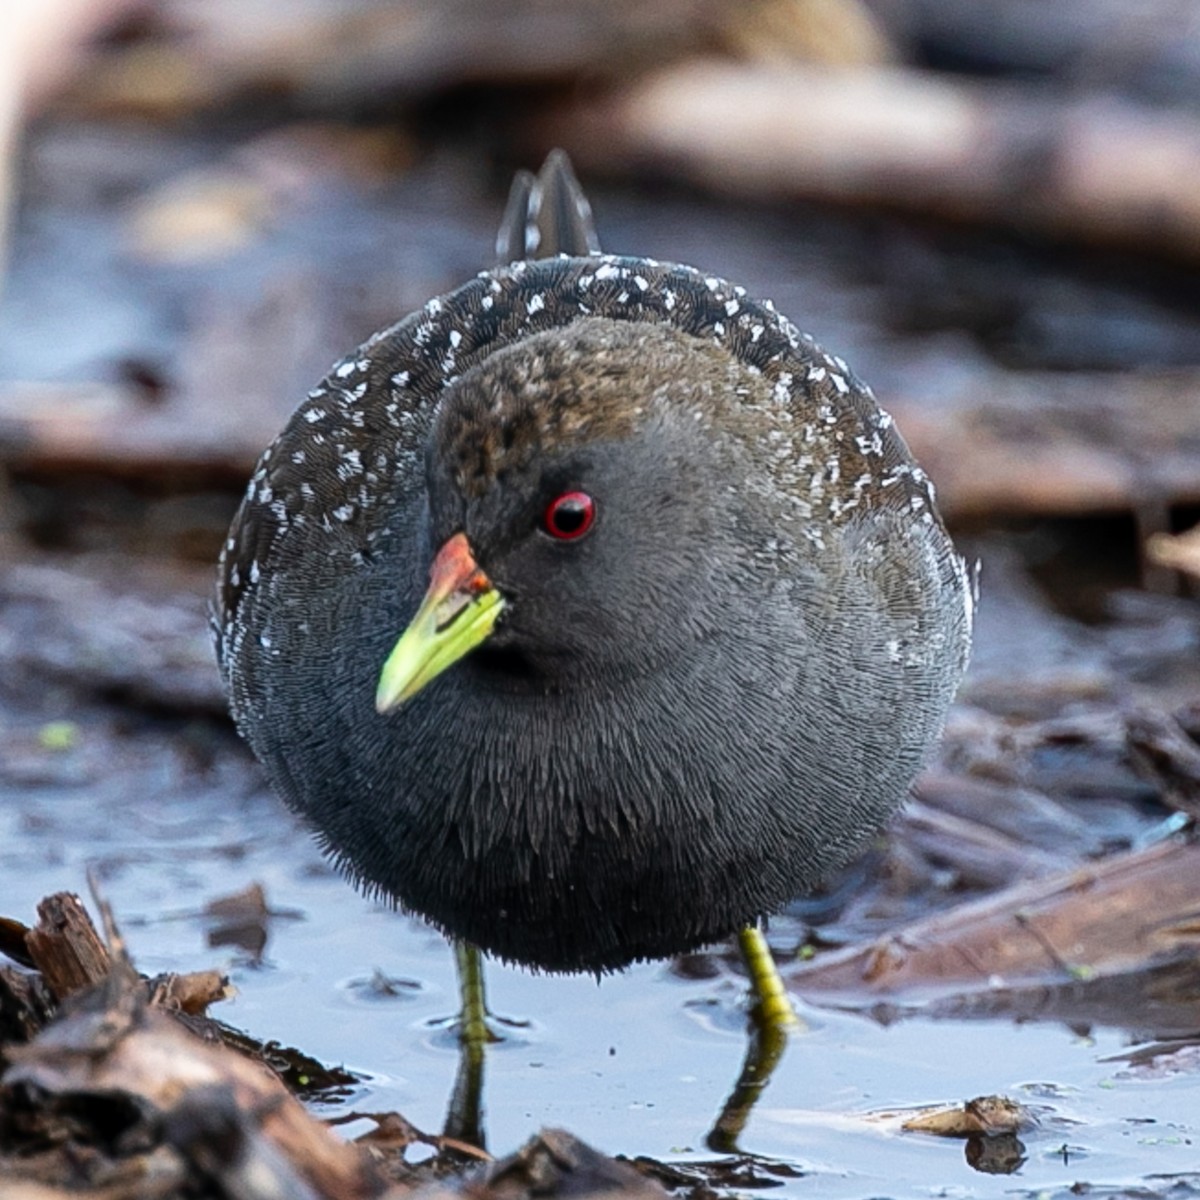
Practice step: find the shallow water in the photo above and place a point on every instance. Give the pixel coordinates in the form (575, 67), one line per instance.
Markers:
(639, 1063)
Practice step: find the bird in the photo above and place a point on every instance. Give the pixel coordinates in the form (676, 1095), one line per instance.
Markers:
(592, 612)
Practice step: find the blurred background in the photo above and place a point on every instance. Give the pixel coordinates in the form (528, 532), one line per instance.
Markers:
(990, 208)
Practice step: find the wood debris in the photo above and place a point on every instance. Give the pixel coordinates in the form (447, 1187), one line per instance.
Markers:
(105, 1088)
(1124, 913)
(1102, 168)
(987, 1115)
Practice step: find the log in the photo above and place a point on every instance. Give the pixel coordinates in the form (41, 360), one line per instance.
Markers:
(228, 51)
(996, 442)
(1096, 168)
(1125, 913)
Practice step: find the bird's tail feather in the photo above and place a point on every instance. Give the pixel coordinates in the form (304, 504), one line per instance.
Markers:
(547, 214)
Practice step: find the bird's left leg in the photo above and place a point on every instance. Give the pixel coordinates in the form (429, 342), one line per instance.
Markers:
(772, 1019)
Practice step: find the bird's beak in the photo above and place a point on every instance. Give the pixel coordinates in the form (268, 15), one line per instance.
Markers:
(459, 611)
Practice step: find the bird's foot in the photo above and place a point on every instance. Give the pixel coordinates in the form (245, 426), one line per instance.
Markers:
(486, 1029)
(475, 1025)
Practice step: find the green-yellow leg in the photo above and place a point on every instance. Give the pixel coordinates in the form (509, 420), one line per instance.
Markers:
(772, 1004)
(472, 1018)
(464, 1118)
(772, 1020)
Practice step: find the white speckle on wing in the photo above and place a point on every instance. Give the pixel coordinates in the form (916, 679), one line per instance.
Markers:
(826, 452)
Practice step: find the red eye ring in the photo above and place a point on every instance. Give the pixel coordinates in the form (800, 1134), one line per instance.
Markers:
(569, 516)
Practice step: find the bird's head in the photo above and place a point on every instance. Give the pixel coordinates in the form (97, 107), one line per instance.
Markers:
(584, 508)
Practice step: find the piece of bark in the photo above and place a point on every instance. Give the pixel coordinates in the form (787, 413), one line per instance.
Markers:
(189, 993)
(61, 427)
(1147, 1002)
(241, 919)
(555, 1162)
(12, 941)
(68, 958)
(987, 1115)
(1022, 814)
(1095, 168)
(65, 947)
(1127, 912)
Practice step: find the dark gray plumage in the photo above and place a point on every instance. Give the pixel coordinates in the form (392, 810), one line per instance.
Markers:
(681, 720)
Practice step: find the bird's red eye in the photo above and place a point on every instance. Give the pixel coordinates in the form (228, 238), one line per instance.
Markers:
(569, 516)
